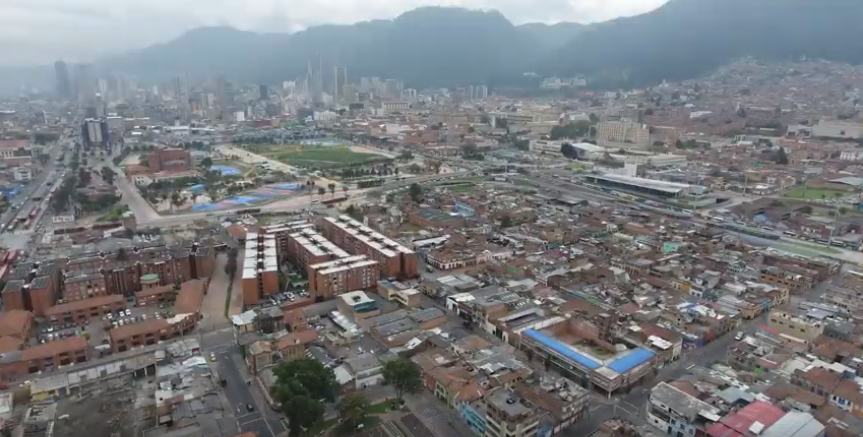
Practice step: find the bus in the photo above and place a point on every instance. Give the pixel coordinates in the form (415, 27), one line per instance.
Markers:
(33, 212)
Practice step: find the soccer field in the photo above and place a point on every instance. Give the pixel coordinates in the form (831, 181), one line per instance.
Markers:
(814, 193)
(328, 157)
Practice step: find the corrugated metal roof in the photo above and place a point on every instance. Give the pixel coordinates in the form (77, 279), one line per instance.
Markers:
(632, 360)
(562, 349)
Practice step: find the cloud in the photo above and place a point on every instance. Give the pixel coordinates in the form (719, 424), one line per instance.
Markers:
(40, 31)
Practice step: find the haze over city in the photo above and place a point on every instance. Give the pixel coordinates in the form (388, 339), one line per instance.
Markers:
(84, 30)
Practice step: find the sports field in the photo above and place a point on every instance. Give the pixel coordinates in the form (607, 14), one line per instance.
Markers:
(326, 157)
(814, 193)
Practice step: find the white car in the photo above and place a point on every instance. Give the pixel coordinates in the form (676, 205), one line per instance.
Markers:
(739, 336)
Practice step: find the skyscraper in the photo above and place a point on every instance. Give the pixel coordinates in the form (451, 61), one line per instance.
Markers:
(340, 79)
(64, 86)
(263, 92)
(85, 85)
(316, 80)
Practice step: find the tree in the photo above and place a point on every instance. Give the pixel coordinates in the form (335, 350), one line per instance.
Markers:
(332, 188)
(416, 192)
(206, 162)
(108, 175)
(781, 157)
(568, 151)
(121, 254)
(523, 145)
(506, 221)
(353, 409)
(231, 264)
(321, 191)
(403, 375)
(741, 113)
(355, 213)
(302, 413)
(300, 384)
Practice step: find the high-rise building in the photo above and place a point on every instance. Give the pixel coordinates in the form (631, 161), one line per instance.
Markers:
(263, 92)
(340, 79)
(61, 73)
(316, 80)
(85, 85)
(94, 132)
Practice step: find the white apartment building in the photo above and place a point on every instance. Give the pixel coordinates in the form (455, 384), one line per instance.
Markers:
(838, 129)
(623, 134)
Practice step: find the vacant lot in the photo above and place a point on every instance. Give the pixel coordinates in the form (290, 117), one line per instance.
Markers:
(326, 157)
(814, 193)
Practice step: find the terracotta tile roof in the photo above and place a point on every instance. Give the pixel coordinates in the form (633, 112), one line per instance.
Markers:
(9, 343)
(190, 297)
(821, 377)
(297, 338)
(470, 392)
(128, 331)
(850, 391)
(686, 387)
(84, 304)
(13, 322)
(53, 348)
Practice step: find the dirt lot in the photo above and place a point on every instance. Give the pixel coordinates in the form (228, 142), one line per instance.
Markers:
(108, 411)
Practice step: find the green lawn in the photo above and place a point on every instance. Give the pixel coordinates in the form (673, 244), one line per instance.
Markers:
(814, 193)
(327, 157)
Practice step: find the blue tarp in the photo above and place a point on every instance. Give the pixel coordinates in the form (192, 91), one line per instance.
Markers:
(632, 360)
(226, 170)
(562, 349)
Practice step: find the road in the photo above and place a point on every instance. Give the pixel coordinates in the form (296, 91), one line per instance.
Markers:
(18, 239)
(239, 396)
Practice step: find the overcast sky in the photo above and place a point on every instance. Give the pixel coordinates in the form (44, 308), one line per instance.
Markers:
(41, 31)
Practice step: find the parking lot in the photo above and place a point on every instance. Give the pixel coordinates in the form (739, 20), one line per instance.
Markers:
(96, 330)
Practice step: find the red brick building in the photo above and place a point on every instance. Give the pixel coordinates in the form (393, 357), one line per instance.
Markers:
(169, 160)
(394, 259)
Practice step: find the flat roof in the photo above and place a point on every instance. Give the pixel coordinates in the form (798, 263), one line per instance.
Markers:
(632, 360)
(562, 349)
(668, 187)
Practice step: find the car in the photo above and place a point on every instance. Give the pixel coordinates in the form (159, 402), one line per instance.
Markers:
(128, 312)
(212, 357)
(250, 407)
(739, 336)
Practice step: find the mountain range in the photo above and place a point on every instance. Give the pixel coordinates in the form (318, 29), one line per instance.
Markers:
(437, 46)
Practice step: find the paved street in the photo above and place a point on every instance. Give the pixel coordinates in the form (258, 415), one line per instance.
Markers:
(239, 395)
(442, 421)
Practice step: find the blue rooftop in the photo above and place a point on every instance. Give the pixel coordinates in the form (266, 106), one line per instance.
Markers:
(632, 360)
(562, 349)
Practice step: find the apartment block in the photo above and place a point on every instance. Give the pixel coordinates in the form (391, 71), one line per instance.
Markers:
(79, 310)
(281, 233)
(139, 334)
(307, 247)
(32, 287)
(623, 133)
(508, 415)
(780, 277)
(797, 327)
(332, 278)
(394, 260)
(45, 357)
(84, 285)
(123, 269)
(260, 268)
